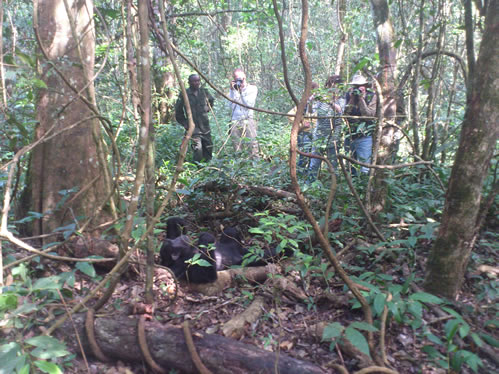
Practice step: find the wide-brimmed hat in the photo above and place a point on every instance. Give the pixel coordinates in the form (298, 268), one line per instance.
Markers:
(358, 80)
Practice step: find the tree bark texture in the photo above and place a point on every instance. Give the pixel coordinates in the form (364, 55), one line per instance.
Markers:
(341, 7)
(386, 132)
(146, 114)
(480, 131)
(117, 339)
(69, 160)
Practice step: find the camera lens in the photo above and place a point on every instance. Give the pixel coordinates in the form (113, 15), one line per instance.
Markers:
(238, 83)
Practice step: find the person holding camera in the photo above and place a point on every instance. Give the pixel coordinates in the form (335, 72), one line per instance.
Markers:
(201, 103)
(243, 125)
(360, 111)
(326, 135)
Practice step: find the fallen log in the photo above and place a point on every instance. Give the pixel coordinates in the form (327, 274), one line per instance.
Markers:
(117, 339)
(234, 328)
(228, 278)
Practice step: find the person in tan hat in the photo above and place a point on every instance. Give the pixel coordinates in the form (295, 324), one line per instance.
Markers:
(360, 112)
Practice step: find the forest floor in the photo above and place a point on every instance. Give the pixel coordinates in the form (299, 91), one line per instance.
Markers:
(287, 324)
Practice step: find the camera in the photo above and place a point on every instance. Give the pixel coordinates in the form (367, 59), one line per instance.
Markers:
(237, 84)
(356, 92)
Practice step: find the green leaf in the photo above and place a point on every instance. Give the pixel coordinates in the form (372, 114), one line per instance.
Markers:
(465, 357)
(363, 326)
(38, 83)
(202, 262)
(416, 309)
(379, 303)
(395, 289)
(48, 283)
(25, 309)
(11, 358)
(47, 347)
(332, 331)
(452, 312)
(412, 240)
(476, 339)
(357, 339)
(256, 230)
(86, 268)
(183, 181)
(45, 341)
(68, 278)
(435, 339)
(8, 301)
(361, 64)
(426, 298)
(48, 367)
(464, 330)
(451, 327)
(490, 340)
(431, 351)
(25, 58)
(109, 13)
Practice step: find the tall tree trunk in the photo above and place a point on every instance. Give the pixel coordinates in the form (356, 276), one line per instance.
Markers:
(450, 253)
(68, 179)
(433, 89)
(415, 84)
(470, 45)
(3, 90)
(341, 7)
(386, 133)
(144, 58)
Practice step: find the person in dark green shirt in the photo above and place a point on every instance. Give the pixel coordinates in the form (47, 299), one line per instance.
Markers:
(201, 103)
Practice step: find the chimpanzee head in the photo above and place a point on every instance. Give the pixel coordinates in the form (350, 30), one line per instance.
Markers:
(176, 250)
(230, 235)
(205, 239)
(175, 226)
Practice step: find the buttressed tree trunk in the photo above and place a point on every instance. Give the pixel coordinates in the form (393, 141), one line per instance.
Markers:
(69, 160)
(450, 253)
(387, 133)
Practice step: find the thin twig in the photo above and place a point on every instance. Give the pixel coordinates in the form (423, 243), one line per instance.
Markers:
(359, 200)
(75, 330)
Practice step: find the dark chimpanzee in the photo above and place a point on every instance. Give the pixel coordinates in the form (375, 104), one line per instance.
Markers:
(177, 252)
(229, 250)
(230, 244)
(199, 264)
(175, 228)
(204, 272)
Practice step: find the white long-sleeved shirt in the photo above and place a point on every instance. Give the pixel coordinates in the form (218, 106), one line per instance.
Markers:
(247, 96)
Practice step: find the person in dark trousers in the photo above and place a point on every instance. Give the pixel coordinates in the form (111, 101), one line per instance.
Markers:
(360, 112)
(201, 103)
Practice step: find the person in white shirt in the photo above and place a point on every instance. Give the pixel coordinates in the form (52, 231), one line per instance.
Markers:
(243, 127)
